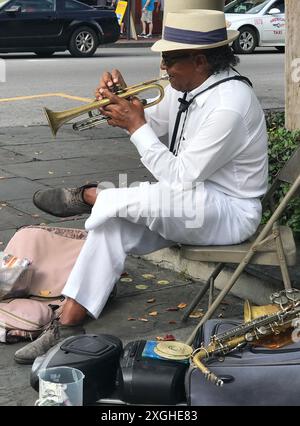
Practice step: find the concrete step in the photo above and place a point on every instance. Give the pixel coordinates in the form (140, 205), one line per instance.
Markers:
(256, 284)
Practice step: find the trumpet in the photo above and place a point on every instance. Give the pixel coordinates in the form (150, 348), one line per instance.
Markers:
(57, 118)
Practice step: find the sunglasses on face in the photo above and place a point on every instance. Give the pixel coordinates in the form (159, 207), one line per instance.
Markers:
(170, 59)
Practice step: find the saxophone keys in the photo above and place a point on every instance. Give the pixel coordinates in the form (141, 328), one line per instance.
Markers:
(262, 330)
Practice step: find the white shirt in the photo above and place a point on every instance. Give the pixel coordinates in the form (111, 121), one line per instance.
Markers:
(224, 140)
(208, 193)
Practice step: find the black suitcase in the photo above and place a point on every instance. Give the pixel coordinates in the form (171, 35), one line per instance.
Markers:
(150, 381)
(97, 356)
(252, 376)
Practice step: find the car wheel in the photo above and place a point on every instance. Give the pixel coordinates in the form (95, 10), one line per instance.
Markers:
(83, 42)
(246, 41)
(280, 49)
(44, 53)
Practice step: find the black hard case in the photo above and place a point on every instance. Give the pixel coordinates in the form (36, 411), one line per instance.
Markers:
(253, 376)
(97, 356)
(147, 381)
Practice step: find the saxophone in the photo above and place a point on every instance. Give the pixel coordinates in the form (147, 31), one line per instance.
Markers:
(281, 318)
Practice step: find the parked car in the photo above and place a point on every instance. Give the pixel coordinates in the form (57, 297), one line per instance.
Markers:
(261, 23)
(98, 3)
(48, 26)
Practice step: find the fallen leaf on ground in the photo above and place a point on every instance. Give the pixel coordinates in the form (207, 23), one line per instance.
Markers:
(182, 305)
(196, 314)
(143, 319)
(141, 287)
(3, 204)
(45, 293)
(2, 177)
(172, 322)
(163, 282)
(50, 173)
(124, 274)
(35, 215)
(148, 276)
(153, 314)
(166, 338)
(126, 280)
(150, 300)
(131, 319)
(172, 309)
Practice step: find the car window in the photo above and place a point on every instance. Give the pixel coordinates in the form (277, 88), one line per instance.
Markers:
(34, 5)
(75, 5)
(258, 8)
(243, 6)
(278, 5)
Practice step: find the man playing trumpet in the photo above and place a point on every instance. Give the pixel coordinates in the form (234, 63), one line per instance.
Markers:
(210, 178)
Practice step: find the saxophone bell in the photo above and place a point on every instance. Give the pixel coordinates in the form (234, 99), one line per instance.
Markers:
(251, 312)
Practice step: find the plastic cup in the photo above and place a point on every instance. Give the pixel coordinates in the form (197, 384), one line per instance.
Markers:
(60, 386)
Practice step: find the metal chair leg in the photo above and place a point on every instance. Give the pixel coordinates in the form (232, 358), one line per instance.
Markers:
(203, 291)
(211, 291)
(281, 258)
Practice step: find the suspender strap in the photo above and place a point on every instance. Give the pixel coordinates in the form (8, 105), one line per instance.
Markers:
(184, 104)
(182, 107)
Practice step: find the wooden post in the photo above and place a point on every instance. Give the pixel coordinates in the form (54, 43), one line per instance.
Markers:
(292, 65)
(132, 27)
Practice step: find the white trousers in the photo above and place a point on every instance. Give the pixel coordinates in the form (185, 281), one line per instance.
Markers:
(222, 220)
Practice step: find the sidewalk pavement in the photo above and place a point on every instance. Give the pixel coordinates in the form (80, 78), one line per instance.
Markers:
(30, 159)
(140, 42)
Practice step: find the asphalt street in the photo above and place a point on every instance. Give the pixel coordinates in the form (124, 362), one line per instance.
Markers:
(33, 83)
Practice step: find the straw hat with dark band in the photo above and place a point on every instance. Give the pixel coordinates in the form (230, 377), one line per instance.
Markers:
(194, 29)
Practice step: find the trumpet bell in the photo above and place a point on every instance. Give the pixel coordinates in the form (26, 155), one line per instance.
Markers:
(54, 124)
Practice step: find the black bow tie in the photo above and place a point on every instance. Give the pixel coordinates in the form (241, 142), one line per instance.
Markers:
(184, 105)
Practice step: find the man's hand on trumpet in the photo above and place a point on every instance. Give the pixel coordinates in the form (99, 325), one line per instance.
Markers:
(111, 81)
(127, 114)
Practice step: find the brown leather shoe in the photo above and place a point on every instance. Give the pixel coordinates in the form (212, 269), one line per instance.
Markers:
(63, 202)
